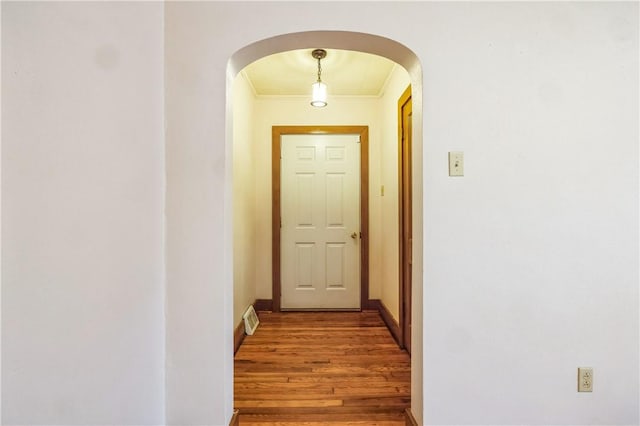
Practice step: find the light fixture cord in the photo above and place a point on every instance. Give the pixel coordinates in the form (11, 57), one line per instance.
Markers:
(319, 71)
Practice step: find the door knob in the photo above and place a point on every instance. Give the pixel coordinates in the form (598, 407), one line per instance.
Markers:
(354, 235)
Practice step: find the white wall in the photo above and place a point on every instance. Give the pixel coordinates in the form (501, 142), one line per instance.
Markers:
(82, 221)
(530, 260)
(380, 114)
(514, 251)
(390, 295)
(244, 199)
(199, 230)
(273, 111)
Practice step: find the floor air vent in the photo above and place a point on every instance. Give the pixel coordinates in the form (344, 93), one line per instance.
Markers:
(251, 320)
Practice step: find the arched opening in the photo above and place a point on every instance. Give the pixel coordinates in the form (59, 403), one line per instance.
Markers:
(399, 54)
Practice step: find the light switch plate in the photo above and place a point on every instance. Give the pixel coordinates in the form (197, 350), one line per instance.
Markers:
(456, 163)
(585, 379)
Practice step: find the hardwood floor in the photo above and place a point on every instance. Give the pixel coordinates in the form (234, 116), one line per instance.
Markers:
(321, 368)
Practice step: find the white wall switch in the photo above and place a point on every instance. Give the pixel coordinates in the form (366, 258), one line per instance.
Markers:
(585, 379)
(456, 164)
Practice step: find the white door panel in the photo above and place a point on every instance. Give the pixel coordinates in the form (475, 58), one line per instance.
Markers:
(320, 210)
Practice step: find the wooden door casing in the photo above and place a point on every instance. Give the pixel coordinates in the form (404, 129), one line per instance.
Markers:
(405, 219)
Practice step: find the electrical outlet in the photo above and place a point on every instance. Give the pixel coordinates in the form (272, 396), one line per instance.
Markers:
(585, 379)
(456, 164)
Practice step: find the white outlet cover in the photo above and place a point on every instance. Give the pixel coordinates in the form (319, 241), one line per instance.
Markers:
(585, 379)
(456, 163)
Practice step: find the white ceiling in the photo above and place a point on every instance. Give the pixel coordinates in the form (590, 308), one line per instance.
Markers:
(345, 72)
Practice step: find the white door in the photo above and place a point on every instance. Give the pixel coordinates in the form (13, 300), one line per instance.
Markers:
(320, 231)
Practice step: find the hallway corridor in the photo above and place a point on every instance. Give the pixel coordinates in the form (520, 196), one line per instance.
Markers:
(329, 368)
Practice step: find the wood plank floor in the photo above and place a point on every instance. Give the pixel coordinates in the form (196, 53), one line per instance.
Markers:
(321, 368)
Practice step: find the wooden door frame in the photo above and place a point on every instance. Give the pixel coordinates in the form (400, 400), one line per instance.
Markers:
(405, 291)
(276, 136)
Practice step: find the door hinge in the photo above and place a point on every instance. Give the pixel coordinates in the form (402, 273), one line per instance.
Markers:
(359, 139)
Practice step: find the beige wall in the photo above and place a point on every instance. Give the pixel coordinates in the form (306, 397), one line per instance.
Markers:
(253, 121)
(244, 208)
(272, 111)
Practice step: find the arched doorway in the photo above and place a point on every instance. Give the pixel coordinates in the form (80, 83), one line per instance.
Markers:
(406, 58)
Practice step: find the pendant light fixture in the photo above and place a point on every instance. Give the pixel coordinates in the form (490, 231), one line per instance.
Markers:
(319, 97)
